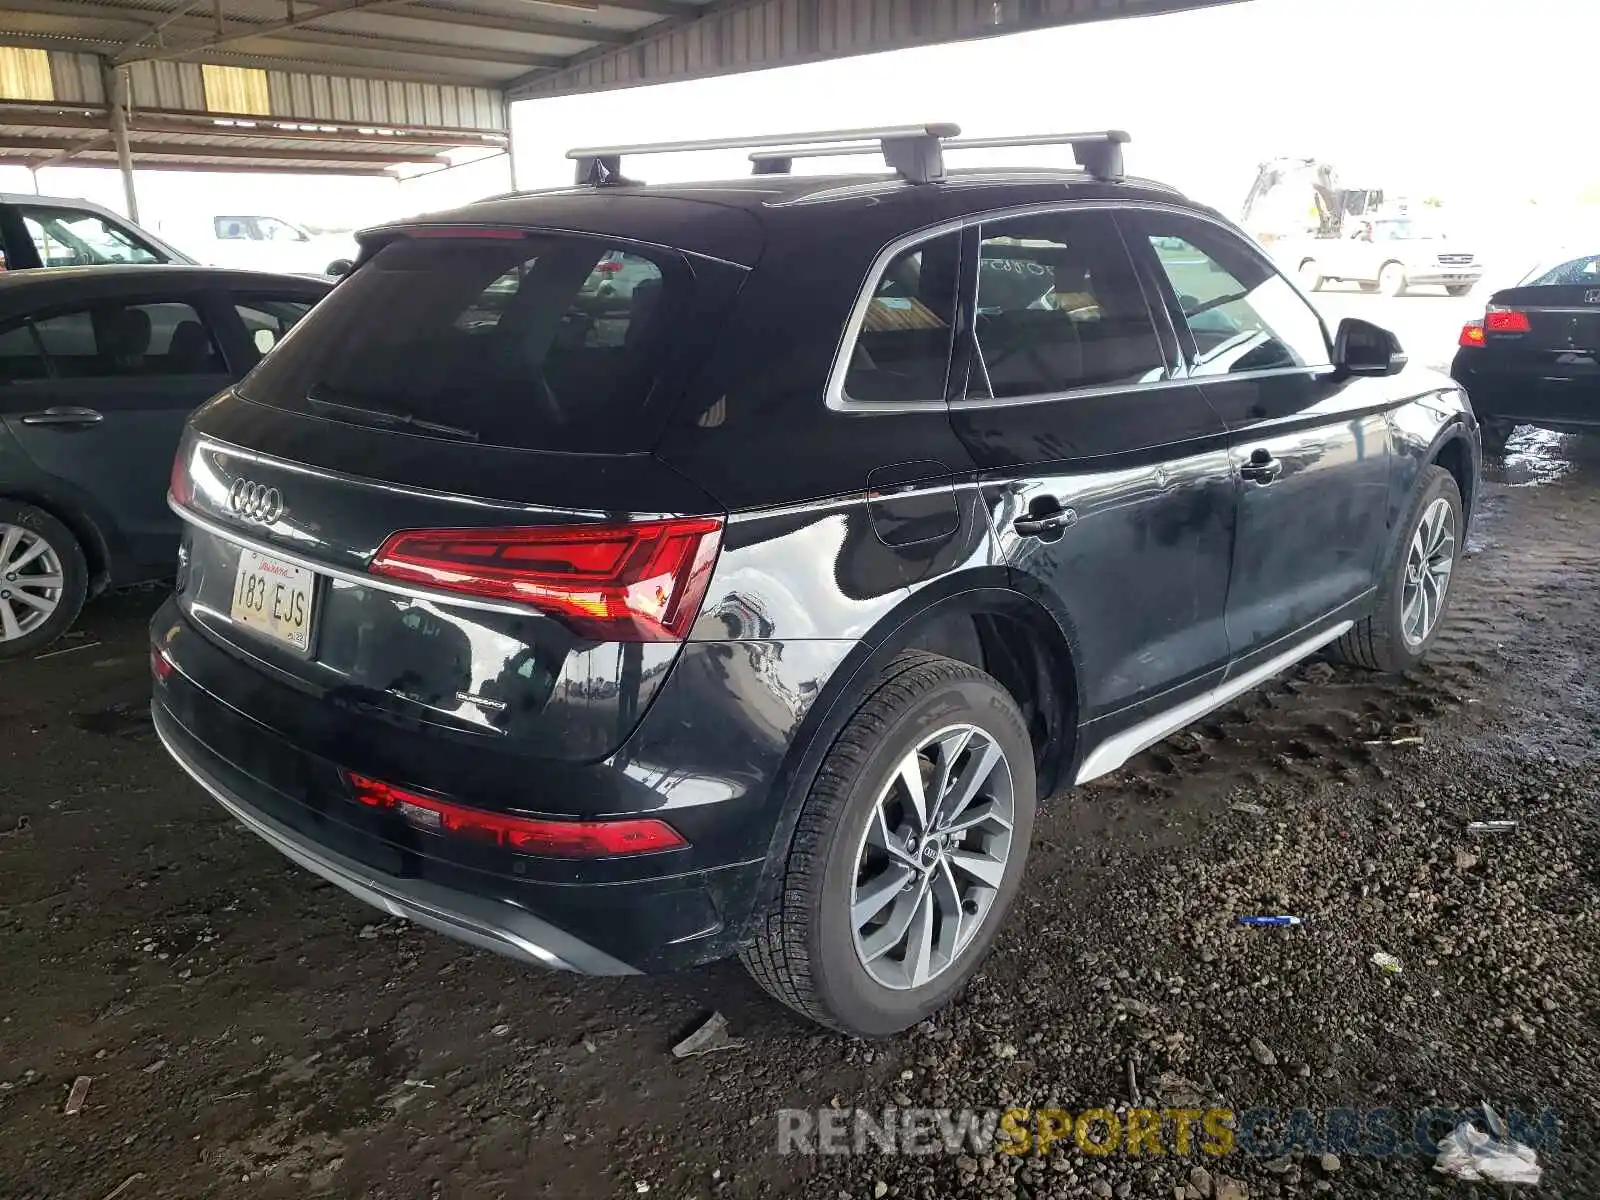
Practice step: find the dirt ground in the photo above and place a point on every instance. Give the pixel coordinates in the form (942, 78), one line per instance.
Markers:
(251, 1032)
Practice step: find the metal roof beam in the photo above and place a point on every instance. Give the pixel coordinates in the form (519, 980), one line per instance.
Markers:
(230, 167)
(147, 149)
(205, 124)
(485, 20)
(384, 45)
(156, 53)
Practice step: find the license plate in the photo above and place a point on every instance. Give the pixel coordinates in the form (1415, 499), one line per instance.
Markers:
(274, 598)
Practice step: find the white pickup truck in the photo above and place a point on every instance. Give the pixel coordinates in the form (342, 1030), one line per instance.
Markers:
(1386, 254)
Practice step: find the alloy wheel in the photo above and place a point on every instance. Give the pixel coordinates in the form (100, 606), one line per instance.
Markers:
(933, 856)
(1428, 565)
(31, 581)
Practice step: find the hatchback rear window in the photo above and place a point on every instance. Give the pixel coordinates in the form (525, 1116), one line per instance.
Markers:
(536, 342)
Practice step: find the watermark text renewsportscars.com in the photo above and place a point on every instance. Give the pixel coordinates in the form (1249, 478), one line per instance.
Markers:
(1142, 1132)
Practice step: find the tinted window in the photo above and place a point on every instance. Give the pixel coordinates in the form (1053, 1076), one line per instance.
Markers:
(21, 356)
(117, 340)
(266, 319)
(1244, 316)
(67, 237)
(526, 341)
(1059, 308)
(902, 353)
(1585, 270)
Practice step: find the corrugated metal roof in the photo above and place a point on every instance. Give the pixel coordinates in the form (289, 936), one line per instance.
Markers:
(451, 63)
(34, 134)
(529, 47)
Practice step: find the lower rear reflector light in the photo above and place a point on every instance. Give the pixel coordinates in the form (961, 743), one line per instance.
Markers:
(524, 835)
(636, 582)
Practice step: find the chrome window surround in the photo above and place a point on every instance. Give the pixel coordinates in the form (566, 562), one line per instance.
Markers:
(839, 401)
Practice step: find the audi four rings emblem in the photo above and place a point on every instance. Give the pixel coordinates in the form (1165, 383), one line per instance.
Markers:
(255, 502)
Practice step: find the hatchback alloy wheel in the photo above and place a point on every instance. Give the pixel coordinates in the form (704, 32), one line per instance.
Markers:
(32, 581)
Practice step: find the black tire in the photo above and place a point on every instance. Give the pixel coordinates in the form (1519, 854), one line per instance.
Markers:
(1311, 276)
(1377, 642)
(1392, 279)
(74, 576)
(1496, 435)
(1457, 289)
(804, 951)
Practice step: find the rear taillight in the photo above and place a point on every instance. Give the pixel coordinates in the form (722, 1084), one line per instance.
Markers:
(609, 266)
(1472, 335)
(640, 582)
(1506, 320)
(160, 665)
(524, 835)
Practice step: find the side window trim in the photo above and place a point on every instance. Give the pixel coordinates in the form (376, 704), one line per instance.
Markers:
(836, 397)
(1121, 210)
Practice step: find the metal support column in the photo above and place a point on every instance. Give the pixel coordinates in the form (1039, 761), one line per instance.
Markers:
(511, 142)
(115, 81)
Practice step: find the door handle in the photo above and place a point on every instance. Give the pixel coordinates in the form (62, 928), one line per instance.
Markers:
(1262, 468)
(63, 416)
(1047, 524)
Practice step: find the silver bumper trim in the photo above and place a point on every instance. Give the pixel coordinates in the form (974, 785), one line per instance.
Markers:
(488, 924)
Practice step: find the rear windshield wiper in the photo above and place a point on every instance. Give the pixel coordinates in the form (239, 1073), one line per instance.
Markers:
(363, 415)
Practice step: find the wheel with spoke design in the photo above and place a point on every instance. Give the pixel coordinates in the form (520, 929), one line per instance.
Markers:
(932, 857)
(907, 853)
(43, 579)
(1414, 589)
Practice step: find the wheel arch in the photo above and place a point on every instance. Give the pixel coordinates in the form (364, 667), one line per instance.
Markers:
(1454, 452)
(97, 549)
(980, 617)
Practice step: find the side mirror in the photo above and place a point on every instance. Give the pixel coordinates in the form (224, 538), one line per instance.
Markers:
(340, 267)
(1362, 348)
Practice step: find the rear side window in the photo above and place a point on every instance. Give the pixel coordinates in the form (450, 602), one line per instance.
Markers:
(902, 352)
(266, 319)
(1059, 308)
(532, 342)
(111, 340)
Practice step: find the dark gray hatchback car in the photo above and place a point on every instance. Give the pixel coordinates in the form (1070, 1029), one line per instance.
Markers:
(99, 369)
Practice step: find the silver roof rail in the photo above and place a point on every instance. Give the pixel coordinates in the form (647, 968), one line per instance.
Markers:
(910, 150)
(1099, 153)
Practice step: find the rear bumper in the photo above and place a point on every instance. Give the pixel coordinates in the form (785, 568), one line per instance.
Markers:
(273, 756)
(489, 924)
(1570, 403)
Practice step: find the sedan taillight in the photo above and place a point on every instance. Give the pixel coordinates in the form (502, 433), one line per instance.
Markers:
(1506, 320)
(639, 582)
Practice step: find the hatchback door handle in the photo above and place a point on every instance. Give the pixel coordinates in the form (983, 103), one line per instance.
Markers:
(1262, 468)
(63, 416)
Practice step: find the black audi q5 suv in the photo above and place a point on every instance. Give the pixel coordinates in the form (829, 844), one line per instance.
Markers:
(752, 607)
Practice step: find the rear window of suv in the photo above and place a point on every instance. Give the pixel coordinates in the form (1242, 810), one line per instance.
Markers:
(535, 342)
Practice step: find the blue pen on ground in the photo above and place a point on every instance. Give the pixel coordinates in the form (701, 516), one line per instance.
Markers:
(1269, 920)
